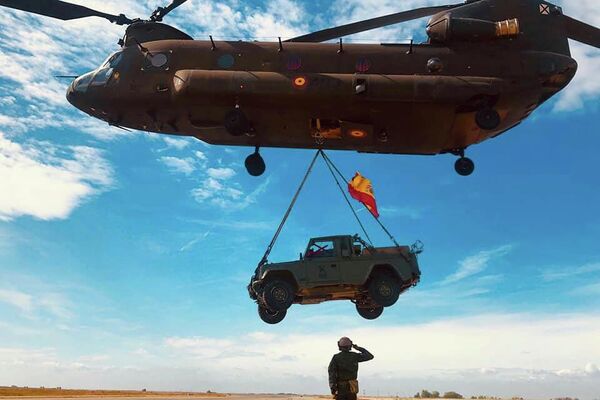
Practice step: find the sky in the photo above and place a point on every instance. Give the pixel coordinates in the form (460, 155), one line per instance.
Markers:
(124, 256)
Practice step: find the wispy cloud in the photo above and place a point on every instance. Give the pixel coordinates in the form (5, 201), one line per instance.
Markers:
(476, 263)
(591, 289)
(556, 274)
(221, 173)
(20, 300)
(235, 225)
(227, 197)
(405, 212)
(55, 304)
(184, 166)
(176, 143)
(194, 242)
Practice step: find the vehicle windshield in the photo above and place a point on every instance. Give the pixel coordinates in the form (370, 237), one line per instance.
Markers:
(321, 248)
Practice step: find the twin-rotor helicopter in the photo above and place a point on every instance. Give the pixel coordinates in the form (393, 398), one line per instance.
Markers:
(487, 65)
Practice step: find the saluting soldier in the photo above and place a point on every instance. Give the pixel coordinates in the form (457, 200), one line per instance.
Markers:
(343, 369)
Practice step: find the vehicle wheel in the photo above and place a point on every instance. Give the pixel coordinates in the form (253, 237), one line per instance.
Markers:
(464, 166)
(384, 289)
(278, 294)
(255, 164)
(369, 312)
(269, 316)
(487, 119)
(236, 122)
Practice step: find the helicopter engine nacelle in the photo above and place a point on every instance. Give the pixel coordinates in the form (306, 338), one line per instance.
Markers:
(446, 29)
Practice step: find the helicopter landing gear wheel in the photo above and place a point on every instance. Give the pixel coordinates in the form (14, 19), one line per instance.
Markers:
(236, 123)
(269, 316)
(464, 166)
(487, 119)
(372, 312)
(255, 164)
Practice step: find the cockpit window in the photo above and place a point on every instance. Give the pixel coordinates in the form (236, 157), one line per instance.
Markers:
(105, 72)
(113, 61)
(82, 83)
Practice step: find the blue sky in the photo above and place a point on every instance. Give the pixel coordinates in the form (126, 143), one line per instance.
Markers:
(124, 256)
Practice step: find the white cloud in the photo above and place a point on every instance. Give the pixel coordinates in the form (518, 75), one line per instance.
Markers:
(499, 354)
(180, 165)
(194, 242)
(53, 303)
(406, 212)
(22, 301)
(227, 197)
(591, 289)
(474, 264)
(221, 173)
(47, 181)
(176, 143)
(585, 87)
(565, 272)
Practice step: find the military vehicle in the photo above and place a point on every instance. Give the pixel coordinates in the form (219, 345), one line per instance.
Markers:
(487, 65)
(336, 268)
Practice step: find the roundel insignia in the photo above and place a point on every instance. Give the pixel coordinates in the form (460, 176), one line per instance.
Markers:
(358, 133)
(300, 82)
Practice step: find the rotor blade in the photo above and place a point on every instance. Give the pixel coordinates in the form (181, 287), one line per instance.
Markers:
(62, 10)
(582, 32)
(161, 12)
(367, 25)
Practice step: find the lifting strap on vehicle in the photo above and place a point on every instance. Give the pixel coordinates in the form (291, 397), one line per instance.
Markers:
(332, 168)
(289, 210)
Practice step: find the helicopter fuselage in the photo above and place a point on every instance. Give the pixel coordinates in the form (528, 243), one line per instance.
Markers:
(384, 98)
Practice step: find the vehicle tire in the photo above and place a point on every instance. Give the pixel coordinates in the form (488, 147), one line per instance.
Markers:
(236, 122)
(278, 294)
(384, 289)
(269, 316)
(369, 312)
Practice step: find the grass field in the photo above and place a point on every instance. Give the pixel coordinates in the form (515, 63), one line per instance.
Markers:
(57, 392)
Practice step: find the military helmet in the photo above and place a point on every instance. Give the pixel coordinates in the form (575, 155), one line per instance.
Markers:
(344, 342)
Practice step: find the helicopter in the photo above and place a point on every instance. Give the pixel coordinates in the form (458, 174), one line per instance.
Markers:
(486, 66)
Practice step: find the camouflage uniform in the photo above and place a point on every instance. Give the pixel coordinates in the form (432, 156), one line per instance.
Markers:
(343, 368)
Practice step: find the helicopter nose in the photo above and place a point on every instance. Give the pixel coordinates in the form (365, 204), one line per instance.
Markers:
(71, 94)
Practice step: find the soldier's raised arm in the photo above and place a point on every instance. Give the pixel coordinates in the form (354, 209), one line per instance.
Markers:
(364, 354)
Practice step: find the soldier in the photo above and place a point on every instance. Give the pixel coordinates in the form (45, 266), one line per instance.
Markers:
(343, 369)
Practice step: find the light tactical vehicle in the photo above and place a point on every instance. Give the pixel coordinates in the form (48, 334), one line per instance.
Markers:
(336, 268)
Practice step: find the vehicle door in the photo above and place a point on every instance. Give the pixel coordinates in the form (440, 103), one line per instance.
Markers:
(322, 262)
(353, 266)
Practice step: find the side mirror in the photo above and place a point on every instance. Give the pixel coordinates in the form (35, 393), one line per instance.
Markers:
(301, 257)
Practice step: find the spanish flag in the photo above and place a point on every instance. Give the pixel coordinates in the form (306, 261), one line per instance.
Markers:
(360, 188)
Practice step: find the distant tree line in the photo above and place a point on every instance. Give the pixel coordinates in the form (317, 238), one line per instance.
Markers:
(425, 394)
